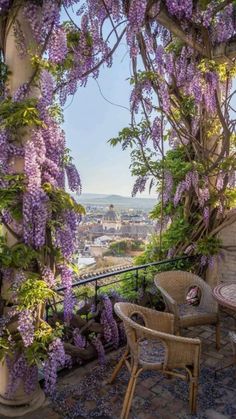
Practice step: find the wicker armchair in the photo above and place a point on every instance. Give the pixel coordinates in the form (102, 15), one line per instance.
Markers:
(155, 347)
(174, 286)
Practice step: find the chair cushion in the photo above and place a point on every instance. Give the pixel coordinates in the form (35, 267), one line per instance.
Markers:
(151, 352)
(190, 310)
(190, 315)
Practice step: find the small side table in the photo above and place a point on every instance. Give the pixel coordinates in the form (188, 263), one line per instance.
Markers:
(225, 295)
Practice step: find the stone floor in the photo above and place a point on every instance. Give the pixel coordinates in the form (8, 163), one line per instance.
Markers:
(154, 397)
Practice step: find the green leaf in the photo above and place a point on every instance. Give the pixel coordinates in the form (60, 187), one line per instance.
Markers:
(33, 292)
(15, 115)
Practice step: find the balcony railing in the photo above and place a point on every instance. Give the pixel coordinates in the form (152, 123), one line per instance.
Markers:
(135, 277)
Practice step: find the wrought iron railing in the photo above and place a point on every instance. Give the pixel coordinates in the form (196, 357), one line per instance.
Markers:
(136, 276)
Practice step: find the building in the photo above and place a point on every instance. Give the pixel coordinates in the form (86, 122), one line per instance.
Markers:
(96, 233)
(111, 221)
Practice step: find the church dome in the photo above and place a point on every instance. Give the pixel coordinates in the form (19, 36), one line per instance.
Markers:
(111, 215)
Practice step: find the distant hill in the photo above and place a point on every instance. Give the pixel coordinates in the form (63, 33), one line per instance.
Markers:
(117, 200)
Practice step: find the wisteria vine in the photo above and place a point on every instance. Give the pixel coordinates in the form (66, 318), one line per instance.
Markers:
(181, 96)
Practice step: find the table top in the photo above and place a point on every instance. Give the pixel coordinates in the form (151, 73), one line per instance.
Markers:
(225, 294)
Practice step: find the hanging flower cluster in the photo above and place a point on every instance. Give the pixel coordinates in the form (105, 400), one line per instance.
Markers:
(110, 328)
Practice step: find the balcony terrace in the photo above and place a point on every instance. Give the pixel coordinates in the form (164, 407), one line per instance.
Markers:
(83, 391)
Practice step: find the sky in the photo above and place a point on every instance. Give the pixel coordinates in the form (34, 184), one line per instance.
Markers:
(90, 121)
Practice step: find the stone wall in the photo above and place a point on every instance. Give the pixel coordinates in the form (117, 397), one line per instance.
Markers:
(227, 266)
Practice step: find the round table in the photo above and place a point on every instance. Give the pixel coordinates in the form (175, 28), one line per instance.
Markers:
(225, 294)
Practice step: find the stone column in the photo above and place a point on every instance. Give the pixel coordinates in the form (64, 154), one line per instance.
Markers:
(21, 72)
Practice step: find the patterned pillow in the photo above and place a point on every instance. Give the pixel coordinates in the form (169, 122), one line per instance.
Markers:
(193, 296)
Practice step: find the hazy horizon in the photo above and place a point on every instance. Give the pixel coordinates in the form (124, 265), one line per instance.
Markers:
(120, 195)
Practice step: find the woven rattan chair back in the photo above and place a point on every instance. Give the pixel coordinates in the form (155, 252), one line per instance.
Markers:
(178, 283)
(174, 287)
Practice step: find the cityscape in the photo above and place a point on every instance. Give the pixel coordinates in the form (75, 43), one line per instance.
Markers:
(114, 230)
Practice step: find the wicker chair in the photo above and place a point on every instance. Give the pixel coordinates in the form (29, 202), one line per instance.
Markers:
(174, 286)
(155, 347)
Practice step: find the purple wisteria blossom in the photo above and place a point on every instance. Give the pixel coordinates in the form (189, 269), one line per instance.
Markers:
(165, 98)
(42, 19)
(35, 217)
(211, 261)
(20, 93)
(206, 216)
(179, 191)
(157, 132)
(65, 235)
(170, 253)
(79, 340)
(48, 276)
(159, 58)
(58, 46)
(69, 301)
(207, 15)
(4, 150)
(56, 359)
(220, 181)
(31, 379)
(106, 327)
(26, 327)
(100, 350)
(232, 179)
(21, 372)
(203, 260)
(168, 186)
(47, 87)
(139, 185)
(35, 199)
(73, 177)
(181, 9)
(203, 195)
(4, 4)
(224, 25)
(110, 326)
(136, 16)
(68, 305)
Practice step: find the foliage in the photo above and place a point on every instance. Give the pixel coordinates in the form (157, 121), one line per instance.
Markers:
(84, 292)
(18, 256)
(33, 292)
(15, 115)
(5, 347)
(10, 196)
(61, 201)
(44, 335)
(209, 246)
(121, 247)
